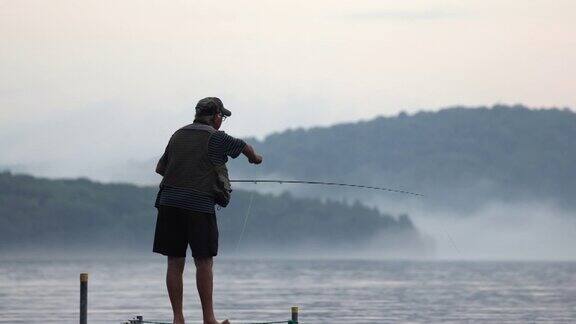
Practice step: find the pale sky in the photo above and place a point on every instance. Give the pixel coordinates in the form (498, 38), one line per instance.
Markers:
(91, 83)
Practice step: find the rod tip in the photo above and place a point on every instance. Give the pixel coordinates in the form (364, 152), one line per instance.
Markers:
(294, 309)
(83, 277)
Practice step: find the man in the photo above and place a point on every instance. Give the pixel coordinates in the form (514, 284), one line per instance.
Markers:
(186, 200)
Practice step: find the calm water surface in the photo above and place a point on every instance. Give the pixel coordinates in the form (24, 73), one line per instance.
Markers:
(327, 291)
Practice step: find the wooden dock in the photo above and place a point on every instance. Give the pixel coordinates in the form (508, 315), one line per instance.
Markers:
(140, 319)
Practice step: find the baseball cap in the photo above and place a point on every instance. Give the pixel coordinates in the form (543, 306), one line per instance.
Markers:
(211, 106)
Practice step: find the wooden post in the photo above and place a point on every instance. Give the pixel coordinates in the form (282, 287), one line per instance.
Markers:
(294, 315)
(83, 298)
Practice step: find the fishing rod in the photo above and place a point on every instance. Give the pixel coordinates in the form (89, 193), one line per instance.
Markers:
(324, 183)
(255, 181)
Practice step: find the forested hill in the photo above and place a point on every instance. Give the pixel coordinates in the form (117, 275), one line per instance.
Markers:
(42, 213)
(462, 157)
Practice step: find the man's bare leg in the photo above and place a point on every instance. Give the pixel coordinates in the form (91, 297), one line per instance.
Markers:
(204, 283)
(175, 286)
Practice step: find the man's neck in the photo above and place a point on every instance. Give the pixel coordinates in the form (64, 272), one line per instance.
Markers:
(202, 122)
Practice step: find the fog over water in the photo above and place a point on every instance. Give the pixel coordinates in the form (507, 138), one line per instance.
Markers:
(516, 231)
(496, 230)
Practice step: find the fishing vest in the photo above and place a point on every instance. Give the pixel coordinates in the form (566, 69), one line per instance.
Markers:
(188, 165)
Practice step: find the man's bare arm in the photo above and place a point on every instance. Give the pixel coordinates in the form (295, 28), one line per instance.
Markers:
(252, 156)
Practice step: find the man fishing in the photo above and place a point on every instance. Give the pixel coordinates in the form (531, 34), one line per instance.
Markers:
(195, 178)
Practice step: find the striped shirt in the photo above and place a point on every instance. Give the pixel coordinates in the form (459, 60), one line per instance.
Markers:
(220, 147)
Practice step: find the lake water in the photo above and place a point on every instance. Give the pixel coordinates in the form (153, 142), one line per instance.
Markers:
(327, 291)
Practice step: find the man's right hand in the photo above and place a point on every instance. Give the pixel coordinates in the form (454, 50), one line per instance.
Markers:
(257, 159)
(251, 155)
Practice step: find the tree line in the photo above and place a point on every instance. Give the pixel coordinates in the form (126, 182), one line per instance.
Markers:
(38, 212)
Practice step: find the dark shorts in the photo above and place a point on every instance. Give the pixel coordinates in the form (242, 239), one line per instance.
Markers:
(176, 228)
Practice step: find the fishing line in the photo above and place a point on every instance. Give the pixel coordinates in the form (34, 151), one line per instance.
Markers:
(452, 241)
(245, 220)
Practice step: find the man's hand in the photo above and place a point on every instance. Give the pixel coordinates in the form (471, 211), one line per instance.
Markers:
(251, 155)
(257, 159)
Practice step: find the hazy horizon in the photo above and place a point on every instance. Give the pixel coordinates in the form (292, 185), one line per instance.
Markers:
(64, 169)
